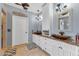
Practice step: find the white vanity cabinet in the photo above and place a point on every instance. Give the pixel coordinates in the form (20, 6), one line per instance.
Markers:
(36, 39)
(42, 42)
(63, 49)
(39, 40)
(69, 49)
(51, 47)
(46, 44)
(55, 47)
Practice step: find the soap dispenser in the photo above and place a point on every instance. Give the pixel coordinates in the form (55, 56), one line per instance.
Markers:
(77, 38)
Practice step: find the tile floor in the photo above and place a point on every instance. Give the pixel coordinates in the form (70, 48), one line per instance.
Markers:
(22, 50)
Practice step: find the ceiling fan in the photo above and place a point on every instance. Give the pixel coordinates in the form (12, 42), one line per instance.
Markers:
(24, 5)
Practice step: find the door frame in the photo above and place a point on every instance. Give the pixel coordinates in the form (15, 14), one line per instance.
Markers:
(3, 31)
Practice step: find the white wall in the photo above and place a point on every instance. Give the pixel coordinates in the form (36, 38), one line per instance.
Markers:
(16, 6)
(34, 23)
(46, 20)
(75, 18)
(47, 23)
(34, 7)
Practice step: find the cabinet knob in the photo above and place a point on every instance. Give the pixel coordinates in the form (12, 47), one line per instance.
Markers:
(60, 47)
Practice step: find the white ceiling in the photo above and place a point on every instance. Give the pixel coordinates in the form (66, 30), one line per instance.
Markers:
(35, 6)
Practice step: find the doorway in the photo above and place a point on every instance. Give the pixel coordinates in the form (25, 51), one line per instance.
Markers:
(19, 30)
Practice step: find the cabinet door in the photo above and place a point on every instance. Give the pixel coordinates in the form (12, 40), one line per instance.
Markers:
(66, 52)
(48, 46)
(51, 47)
(42, 42)
(69, 50)
(78, 51)
(60, 49)
(65, 49)
(36, 39)
(73, 50)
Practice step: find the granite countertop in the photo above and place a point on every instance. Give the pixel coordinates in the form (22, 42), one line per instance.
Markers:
(69, 41)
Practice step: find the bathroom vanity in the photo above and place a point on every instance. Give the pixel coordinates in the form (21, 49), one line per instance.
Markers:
(56, 47)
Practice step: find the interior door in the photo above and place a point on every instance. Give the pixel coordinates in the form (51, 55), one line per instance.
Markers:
(19, 30)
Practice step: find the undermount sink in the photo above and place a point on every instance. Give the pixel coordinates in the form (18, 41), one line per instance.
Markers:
(62, 37)
(45, 32)
(38, 32)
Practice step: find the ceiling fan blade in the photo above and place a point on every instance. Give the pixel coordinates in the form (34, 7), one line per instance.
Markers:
(24, 5)
(18, 4)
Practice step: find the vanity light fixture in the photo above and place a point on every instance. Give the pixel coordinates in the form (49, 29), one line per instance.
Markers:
(62, 6)
(58, 7)
(38, 15)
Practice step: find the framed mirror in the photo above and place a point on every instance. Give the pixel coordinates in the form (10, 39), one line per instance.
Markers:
(64, 18)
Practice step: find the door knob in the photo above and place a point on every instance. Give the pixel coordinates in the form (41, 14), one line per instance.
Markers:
(9, 30)
(25, 32)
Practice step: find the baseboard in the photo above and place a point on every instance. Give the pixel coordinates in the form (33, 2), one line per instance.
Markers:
(19, 44)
